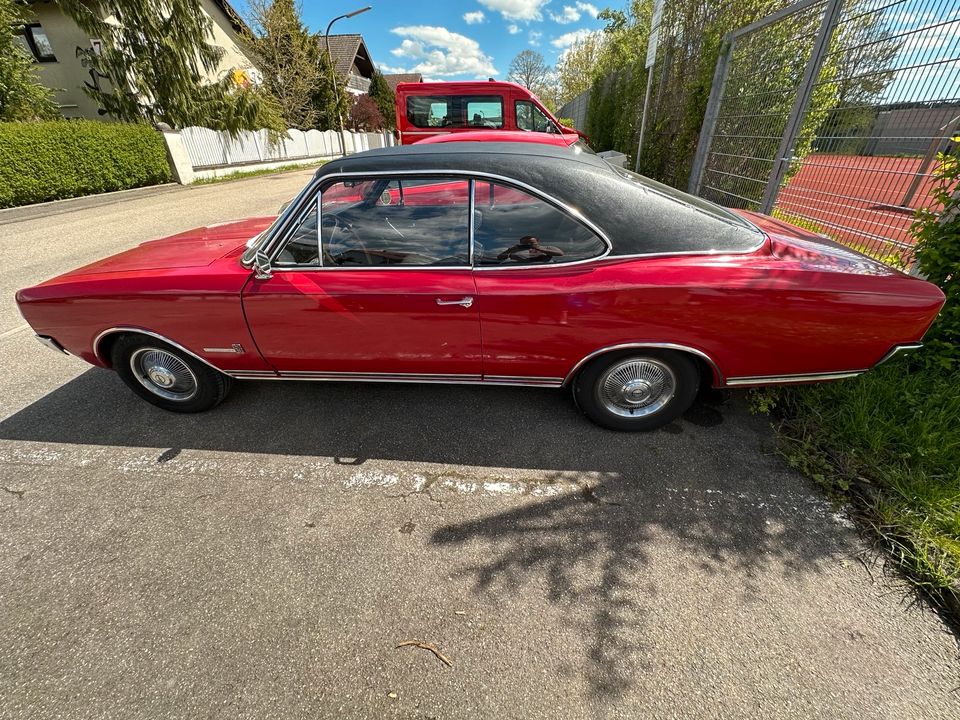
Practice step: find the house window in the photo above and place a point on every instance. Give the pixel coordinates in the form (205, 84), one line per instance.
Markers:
(39, 43)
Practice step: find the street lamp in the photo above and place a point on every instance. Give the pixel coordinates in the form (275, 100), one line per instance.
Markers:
(333, 71)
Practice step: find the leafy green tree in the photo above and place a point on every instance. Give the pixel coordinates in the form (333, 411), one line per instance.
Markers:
(576, 66)
(159, 60)
(385, 98)
(22, 97)
(288, 57)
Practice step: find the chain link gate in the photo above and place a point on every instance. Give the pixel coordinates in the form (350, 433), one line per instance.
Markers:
(830, 113)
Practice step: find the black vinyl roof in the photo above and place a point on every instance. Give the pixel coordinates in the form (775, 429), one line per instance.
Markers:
(639, 215)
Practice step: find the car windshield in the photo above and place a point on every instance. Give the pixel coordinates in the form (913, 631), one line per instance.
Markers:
(256, 243)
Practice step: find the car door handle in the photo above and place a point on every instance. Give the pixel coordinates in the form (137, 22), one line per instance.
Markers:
(465, 302)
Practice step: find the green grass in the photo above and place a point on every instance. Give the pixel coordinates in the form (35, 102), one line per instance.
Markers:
(799, 221)
(894, 259)
(889, 443)
(243, 174)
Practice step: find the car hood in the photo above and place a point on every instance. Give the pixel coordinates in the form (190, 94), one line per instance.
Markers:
(194, 248)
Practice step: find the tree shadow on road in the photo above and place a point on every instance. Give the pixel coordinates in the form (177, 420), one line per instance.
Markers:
(600, 556)
(705, 485)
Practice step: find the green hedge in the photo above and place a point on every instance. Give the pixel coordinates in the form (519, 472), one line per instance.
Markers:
(42, 161)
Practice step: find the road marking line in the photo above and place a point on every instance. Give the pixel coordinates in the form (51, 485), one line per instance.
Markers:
(8, 333)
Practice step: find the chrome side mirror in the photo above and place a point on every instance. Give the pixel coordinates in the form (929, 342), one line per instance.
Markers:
(261, 266)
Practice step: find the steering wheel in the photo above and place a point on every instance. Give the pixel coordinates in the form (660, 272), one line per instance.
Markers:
(350, 238)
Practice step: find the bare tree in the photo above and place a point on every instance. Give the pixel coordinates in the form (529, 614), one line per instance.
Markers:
(529, 69)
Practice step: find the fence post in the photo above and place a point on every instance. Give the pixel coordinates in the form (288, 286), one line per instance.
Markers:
(720, 74)
(180, 164)
(800, 105)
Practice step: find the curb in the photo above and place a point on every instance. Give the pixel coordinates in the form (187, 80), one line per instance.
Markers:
(59, 207)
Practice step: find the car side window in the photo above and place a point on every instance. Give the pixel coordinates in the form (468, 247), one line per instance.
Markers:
(415, 222)
(513, 227)
(532, 119)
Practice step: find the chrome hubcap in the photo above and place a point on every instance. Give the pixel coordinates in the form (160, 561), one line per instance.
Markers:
(164, 374)
(637, 387)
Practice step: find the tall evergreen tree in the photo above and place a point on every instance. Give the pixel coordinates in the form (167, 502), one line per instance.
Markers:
(22, 97)
(158, 58)
(385, 98)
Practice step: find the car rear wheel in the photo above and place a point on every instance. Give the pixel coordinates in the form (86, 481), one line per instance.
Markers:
(637, 390)
(167, 377)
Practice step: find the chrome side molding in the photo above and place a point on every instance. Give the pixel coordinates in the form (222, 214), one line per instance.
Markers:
(791, 379)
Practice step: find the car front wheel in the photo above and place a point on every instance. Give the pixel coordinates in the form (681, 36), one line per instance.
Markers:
(167, 377)
(637, 390)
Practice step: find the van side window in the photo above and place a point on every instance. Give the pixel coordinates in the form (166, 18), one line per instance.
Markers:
(532, 119)
(485, 112)
(457, 111)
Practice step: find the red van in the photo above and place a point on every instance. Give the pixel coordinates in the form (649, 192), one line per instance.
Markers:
(439, 108)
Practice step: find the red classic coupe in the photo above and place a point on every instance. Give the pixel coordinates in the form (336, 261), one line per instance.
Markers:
(491, 263)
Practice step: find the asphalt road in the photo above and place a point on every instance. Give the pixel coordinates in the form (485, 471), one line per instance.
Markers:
(264, 559)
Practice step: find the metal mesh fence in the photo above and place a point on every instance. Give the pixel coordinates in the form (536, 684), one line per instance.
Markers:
(893, 71)
(765, 69)
(830, 114)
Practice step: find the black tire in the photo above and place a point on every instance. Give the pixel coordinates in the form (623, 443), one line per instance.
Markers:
(637, 390)
(197, 387)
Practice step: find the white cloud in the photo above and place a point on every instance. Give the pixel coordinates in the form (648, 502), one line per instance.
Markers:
(534, 38)
(569, 15)
(568, 39)
(588, 8)
(513, 29)
(472, 18)
(438, 52)
(516, 9)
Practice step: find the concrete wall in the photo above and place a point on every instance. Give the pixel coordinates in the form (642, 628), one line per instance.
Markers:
(576, 110)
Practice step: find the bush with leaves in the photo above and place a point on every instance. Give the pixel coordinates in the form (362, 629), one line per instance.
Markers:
(365, 115)
(60, 159)
(22, 96)
(937, 230)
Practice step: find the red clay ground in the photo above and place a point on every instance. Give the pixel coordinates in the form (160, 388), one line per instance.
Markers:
(850, 198)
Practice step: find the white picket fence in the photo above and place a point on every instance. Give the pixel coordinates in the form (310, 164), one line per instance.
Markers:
(198, 152)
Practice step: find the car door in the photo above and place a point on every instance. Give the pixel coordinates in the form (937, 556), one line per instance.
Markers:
(543, 304)
(385, 292)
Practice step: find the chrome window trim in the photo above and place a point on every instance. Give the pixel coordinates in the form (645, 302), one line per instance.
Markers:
(705, 253)
(158, 336)
(718, 375)
(471, 229)
(792, 379)
(275, 243)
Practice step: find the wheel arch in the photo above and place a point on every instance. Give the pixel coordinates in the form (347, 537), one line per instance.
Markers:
(104, 342)
(707, 366)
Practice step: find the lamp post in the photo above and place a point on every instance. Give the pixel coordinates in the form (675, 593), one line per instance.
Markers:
(333, 70)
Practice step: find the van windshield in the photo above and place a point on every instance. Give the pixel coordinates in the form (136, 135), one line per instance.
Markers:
(455, 111)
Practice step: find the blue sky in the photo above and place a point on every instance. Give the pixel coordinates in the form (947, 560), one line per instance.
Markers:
(459, 40)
